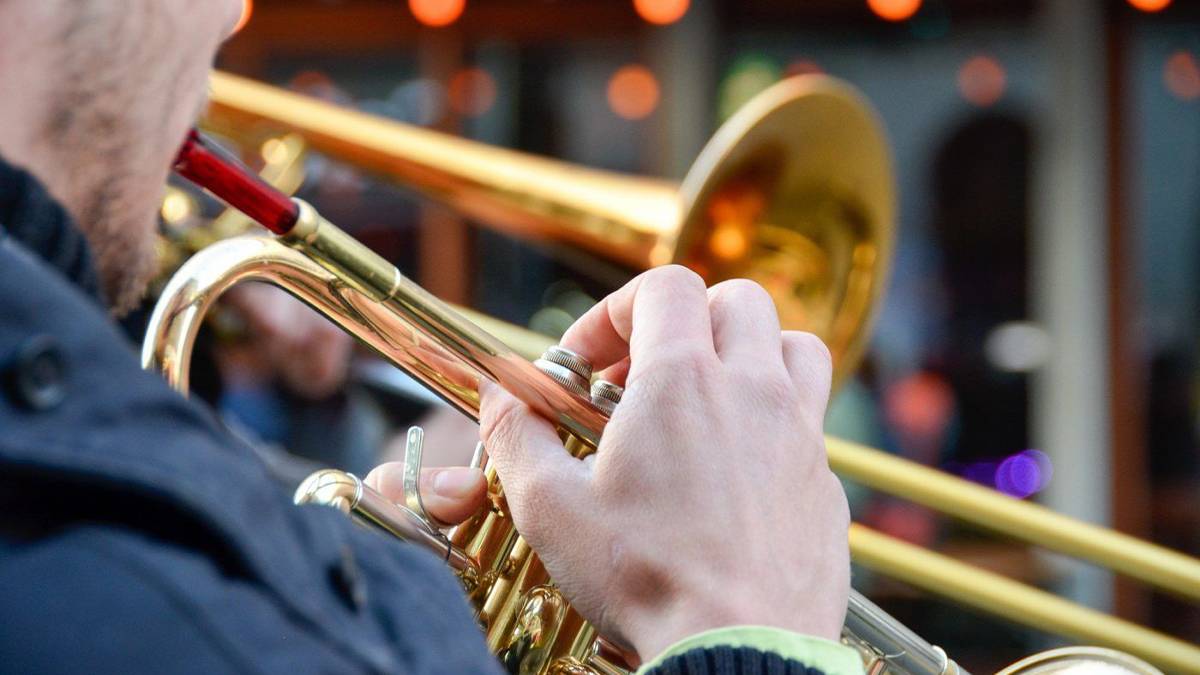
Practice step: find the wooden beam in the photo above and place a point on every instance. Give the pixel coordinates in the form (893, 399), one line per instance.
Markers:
(1130, 506)
(306, 27)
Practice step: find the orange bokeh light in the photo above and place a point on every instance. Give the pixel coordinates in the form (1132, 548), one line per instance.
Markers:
(633, 92)
(1150, 5)
(803, 67)
(661, 12)
(728, 242)
(437, 13)
(981, 80)
(471, 92)
(247, 12)
(1182, 75)
(894, 10)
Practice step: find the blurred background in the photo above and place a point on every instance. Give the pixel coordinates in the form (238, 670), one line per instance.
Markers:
(1040, 334)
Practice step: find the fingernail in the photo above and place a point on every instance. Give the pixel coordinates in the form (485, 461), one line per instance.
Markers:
(456, 482)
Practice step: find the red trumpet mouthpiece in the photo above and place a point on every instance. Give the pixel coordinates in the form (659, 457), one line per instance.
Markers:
(201, 162)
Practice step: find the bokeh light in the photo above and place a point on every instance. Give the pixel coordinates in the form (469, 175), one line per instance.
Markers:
(661, 12)
(1017, 347)
(437, 13)
(1150, 5)
(177, 206)
(747, 77)
(803, 67)
(247, 12)
(1182, 75)
(894, 10)
(1024, 473)
(920, 408)
(633, 92)
(274, 151)
(981, 80)
(472, 92)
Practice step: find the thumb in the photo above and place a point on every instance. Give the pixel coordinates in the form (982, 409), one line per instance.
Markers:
(542, 482)
(450, 494)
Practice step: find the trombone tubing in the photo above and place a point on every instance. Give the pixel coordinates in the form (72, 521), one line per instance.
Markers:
(1015, 601)
(1162, 567)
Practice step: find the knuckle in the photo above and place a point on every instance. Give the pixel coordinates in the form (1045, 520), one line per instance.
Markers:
(739, 291)
(675, 277)
(813, 351)
(810, 345)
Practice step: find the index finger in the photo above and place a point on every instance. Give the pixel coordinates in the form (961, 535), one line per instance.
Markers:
(662, 308)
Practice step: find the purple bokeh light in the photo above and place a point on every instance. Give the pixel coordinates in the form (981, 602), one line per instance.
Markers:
(1020, 475)
(1024, 473)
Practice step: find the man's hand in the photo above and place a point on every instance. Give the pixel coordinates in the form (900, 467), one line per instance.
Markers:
(709, 502)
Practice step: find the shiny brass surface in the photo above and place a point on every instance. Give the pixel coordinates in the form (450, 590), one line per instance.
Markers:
(1080, 661)
(371, 300)
(794, 191)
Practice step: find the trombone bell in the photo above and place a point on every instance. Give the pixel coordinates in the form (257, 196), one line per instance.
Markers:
(794, 191)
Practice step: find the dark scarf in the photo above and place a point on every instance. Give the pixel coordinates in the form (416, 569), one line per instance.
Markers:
(35, 219)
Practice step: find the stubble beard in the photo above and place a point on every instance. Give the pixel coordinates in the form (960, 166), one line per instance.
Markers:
(106, 125)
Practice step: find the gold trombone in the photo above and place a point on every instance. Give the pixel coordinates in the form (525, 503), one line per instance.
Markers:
(820, 222)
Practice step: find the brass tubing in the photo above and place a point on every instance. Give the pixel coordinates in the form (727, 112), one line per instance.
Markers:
(620, 217)
(1018, 602)
(408, 327)
(1162, 567)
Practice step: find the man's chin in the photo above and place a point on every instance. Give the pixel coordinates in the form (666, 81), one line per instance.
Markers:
(126, 272)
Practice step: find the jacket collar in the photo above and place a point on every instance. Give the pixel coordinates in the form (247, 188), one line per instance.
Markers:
(31, 216)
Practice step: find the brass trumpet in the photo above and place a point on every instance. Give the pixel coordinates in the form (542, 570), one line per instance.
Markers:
(526, 622)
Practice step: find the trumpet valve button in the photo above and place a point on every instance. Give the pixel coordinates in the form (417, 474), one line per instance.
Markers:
(606, 396)
(567, 368)
(569, 360)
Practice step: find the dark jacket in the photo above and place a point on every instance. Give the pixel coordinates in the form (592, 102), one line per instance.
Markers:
(137, 535)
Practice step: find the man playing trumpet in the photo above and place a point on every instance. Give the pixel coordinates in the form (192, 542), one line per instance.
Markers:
(706, 535)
